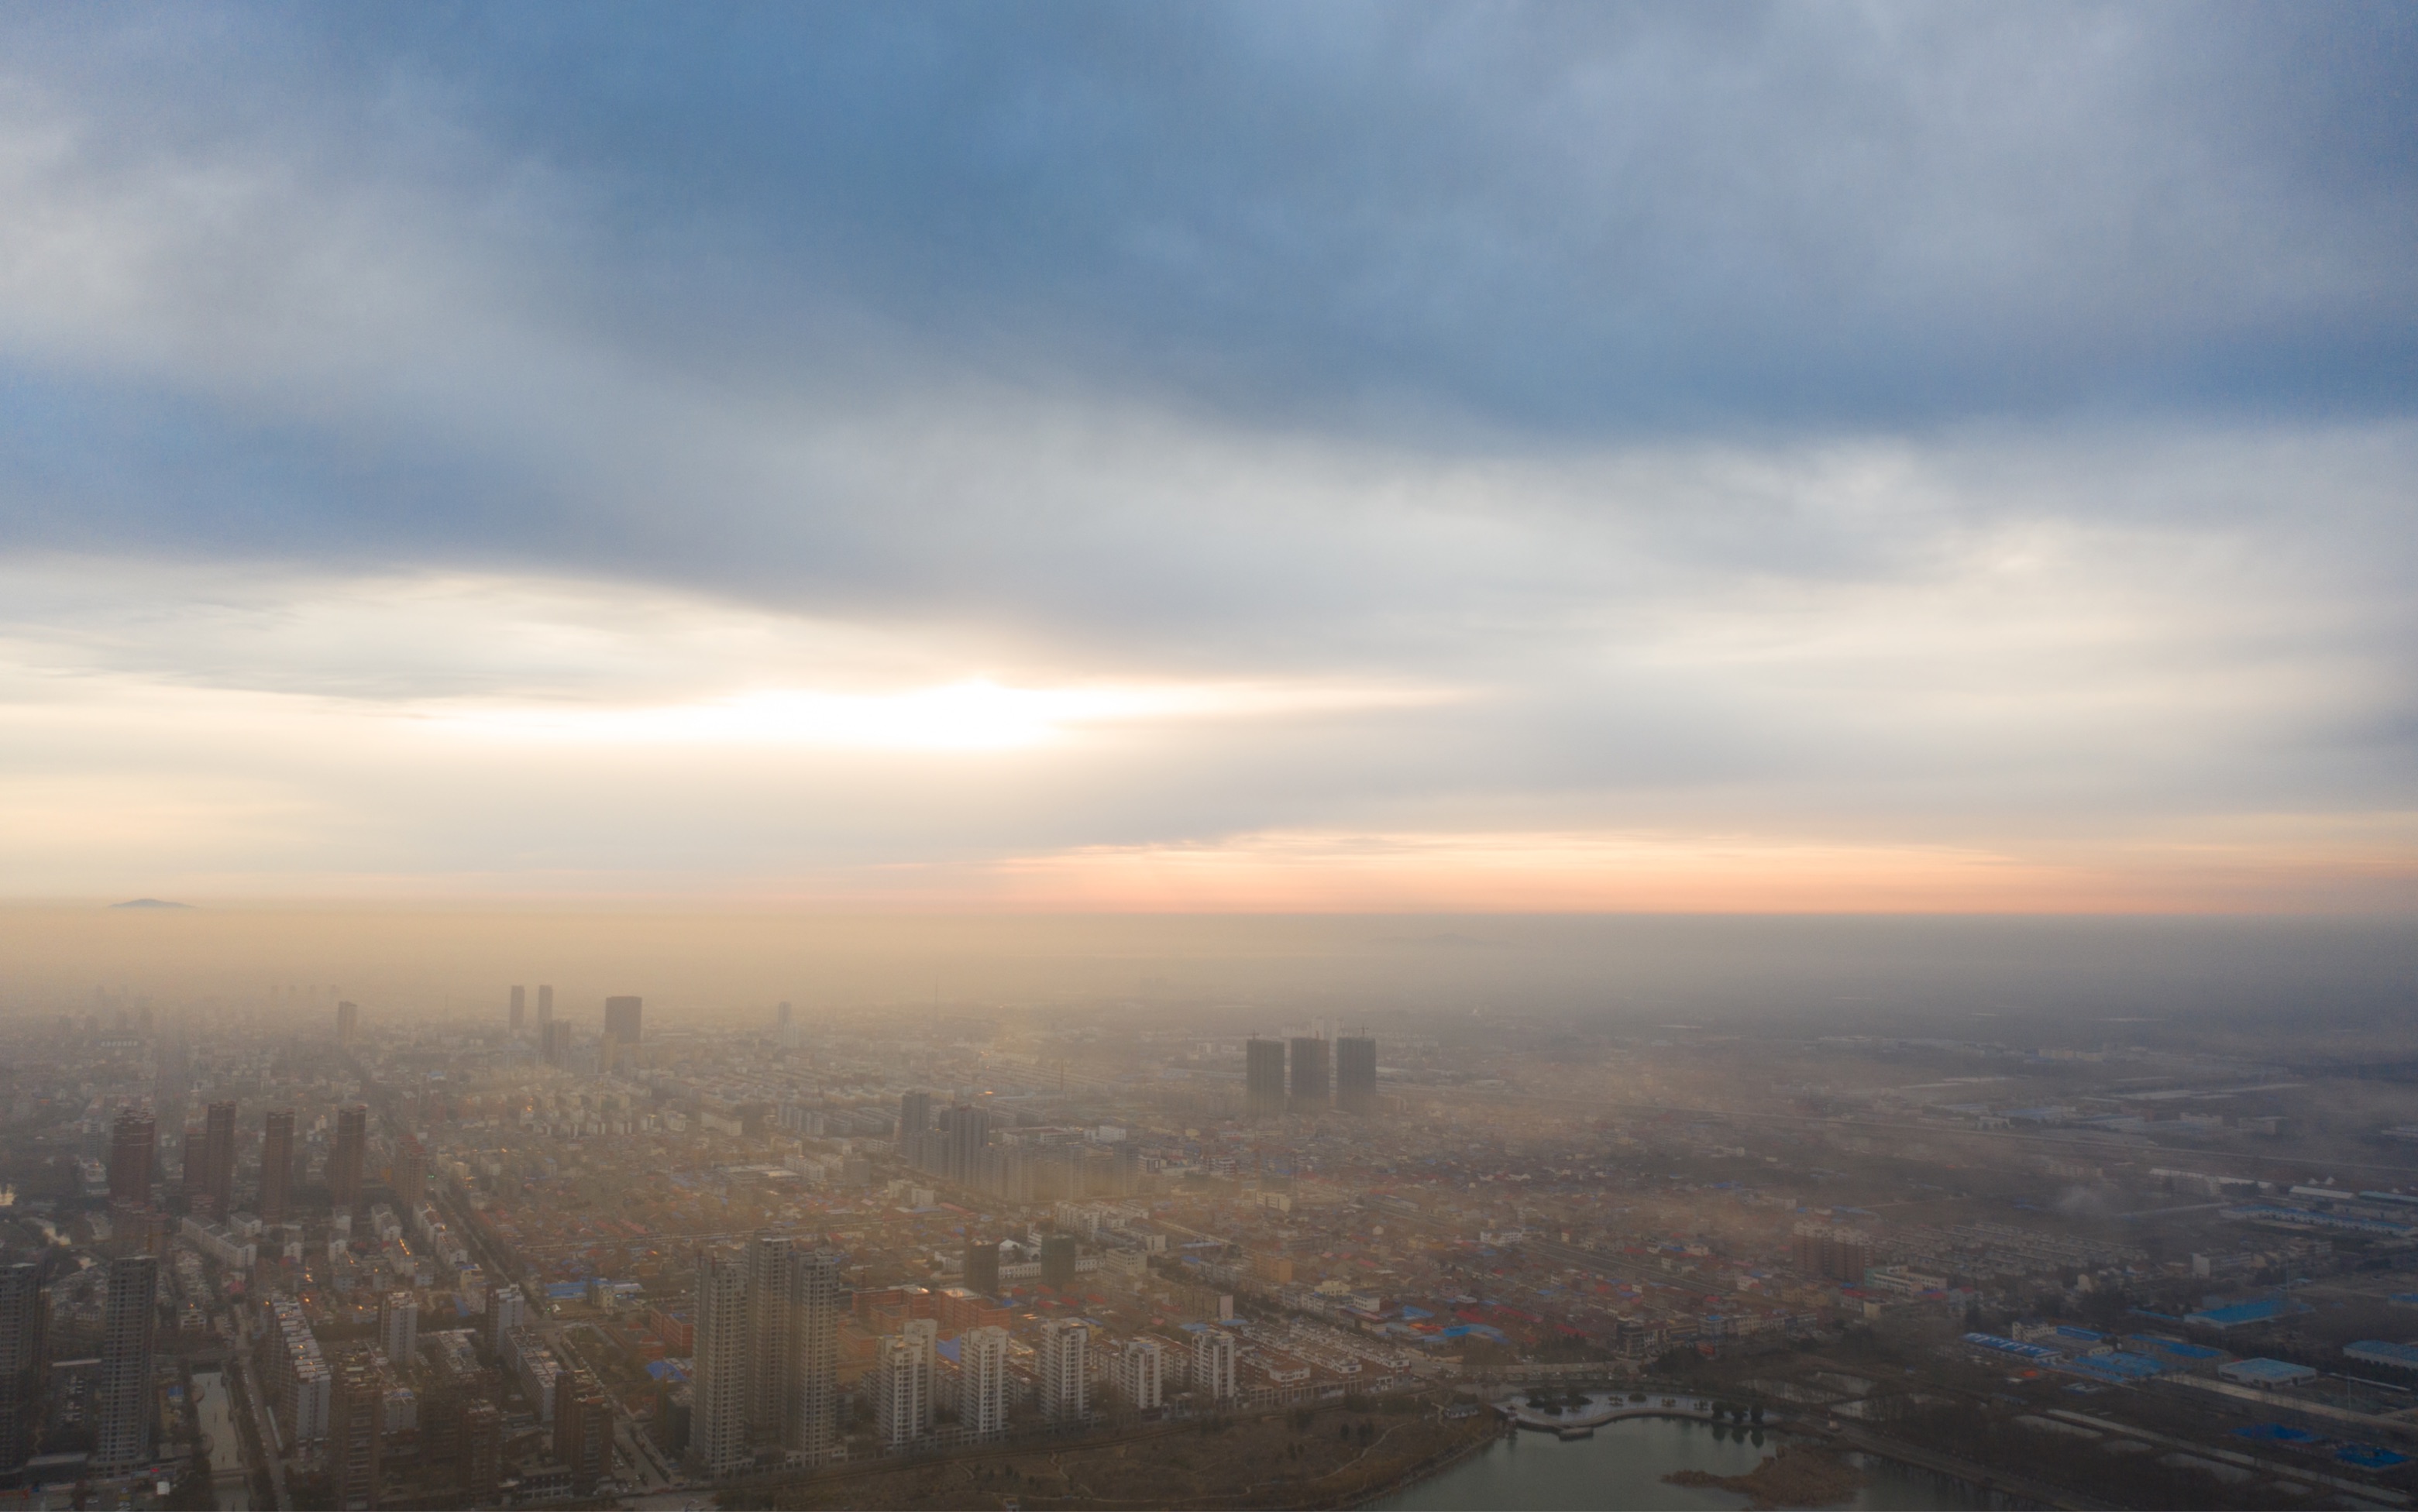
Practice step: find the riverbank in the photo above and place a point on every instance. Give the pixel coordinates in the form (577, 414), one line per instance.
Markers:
(1798, 1476)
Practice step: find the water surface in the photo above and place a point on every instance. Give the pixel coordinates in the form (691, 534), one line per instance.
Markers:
(1622, 1467)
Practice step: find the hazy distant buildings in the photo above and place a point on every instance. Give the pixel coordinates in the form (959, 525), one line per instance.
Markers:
(122, 1399)
(1355, 1074)
(544, 1005)
(193, 1166)
(621, 1016)
(519, 1012)
(349, 1160)
(348, 1024)
(1264, 1077)
(1312, 1088)
(1832, 1253)
(131, 1140)
(25, 1316)
(969, 1136)
(276, 1165)
(914, 1115)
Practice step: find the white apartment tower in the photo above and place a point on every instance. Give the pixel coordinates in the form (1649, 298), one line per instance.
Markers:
(1065, 1389)
(399, 1328)
(1141, 1375)
(902, 1404)
(1213, 1363)
(718, 1421)
(982, 1381)
(811, 1316)
(507, 1310)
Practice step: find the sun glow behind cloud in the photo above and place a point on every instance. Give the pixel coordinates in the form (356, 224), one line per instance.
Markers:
(975, 714)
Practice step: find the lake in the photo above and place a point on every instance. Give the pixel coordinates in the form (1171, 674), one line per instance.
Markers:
(1623, 1465)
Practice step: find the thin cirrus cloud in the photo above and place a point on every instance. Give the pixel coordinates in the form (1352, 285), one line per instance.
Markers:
(1011, 453)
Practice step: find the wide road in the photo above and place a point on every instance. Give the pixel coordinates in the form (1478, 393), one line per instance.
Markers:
(263, 1438)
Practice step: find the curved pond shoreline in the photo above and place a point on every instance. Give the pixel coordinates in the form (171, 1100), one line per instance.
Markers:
(1620, 1465)
(1603, 1408)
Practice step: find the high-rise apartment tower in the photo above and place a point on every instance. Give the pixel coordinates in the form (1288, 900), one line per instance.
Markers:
(24, 1317)
(1264, 1077)
(122, 1401)
(1061, 1365)
(717, 1440)
(982, 1380)
(131, 1140)
(622, 1020)
(1312, 1088)
(218, 1158)
(349, 1160)
(276, 1165)
(1355, 1074)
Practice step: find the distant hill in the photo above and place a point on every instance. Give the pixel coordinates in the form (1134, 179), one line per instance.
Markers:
(150, 903)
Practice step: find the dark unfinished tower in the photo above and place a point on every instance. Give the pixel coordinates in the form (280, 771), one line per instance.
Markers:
(1312, 1088)
(1355, 1074)
(276, 1165)
(981, 1267)
(218, 1158)
(132, 1141)
(809, 1416)
(346, 1162)
(122, 1404)
(1264, 1077)
(24, 1314)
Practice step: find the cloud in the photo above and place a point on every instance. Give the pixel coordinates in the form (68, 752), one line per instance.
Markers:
(1894, 430)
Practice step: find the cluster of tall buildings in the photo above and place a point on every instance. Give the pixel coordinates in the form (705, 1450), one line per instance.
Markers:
(624, 1017)
(767, 1318)
(956, 1144)
(210, 1159)
(1835, 1254)
(120, 1405)
(1299, 1075)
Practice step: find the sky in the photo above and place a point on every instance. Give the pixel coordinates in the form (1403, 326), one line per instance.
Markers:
(1724, 458)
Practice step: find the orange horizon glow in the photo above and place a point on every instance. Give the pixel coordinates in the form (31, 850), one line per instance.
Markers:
(1514, 873)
